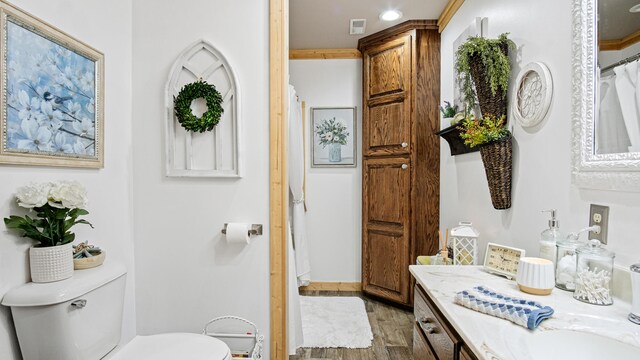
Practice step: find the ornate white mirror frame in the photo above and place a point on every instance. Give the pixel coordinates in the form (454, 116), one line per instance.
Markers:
(591, 170)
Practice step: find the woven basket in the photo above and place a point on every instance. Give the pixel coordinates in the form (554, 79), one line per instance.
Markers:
(498, 158)
(489, 103)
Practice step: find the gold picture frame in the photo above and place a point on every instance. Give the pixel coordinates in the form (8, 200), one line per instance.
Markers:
(51, 97)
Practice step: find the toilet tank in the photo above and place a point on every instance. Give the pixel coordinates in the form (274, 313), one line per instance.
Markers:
(79, 318)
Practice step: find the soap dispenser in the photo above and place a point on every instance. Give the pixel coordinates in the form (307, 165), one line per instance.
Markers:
(549, 237)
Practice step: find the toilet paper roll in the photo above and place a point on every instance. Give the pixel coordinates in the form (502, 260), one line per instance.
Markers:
(238, 233)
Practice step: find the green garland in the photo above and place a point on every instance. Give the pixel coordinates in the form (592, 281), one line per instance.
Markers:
(182, 106)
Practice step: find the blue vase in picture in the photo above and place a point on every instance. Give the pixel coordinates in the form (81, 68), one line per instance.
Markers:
(335, 152)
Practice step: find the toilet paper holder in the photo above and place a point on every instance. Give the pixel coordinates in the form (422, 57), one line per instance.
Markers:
(256, 229)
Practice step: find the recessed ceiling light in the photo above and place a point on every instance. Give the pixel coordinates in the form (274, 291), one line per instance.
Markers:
(635, 8)
(390, 15)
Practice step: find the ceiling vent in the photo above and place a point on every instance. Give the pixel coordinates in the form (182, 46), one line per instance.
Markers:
(357, 26)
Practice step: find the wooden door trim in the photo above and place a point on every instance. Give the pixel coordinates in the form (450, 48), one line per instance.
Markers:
(447, 14)
(324, 54)
(332, 286)
(619, 44)
(278, 189)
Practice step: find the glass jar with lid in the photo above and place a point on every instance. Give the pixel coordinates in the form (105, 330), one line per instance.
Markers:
(566, 260)
(594, 272)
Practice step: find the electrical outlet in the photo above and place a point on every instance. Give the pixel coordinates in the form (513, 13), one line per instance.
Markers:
(599, 215)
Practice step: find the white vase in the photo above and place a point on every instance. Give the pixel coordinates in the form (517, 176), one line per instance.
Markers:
(52, 263)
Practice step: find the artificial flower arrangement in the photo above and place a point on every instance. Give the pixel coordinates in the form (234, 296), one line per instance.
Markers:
(58, 207)
(485, 130)
(331, 132)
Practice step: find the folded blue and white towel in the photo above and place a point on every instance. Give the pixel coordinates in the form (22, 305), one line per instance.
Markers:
(525, 313)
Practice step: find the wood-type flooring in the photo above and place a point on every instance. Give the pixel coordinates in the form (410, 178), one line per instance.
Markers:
(392, 333)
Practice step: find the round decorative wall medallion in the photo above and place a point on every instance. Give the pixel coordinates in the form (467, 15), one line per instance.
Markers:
(532, 94)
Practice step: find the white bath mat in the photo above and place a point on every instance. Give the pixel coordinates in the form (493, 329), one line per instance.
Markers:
(335, 322)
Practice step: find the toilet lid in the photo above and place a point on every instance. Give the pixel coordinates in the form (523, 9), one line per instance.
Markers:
(174, 346)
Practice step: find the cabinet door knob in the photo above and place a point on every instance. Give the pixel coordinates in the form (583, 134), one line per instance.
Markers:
(405, 166)
(404, 145)
(429, 329)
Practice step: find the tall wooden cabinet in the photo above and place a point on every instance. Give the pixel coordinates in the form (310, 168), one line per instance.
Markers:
(401, 156)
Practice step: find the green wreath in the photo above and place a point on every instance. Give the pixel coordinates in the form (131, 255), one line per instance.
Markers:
(182, 106)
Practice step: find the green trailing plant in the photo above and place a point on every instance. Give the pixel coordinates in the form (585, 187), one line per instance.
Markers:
(448, 110)
(182, 106)
(497, 64)
(484, 130)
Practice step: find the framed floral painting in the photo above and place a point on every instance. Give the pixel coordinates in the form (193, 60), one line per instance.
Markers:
(333, 142)
(51, 96)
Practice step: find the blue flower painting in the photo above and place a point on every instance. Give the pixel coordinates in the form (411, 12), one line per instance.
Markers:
(51, 97)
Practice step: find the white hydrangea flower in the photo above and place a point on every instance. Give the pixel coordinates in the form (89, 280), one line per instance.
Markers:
(33, 195)
(68, 194)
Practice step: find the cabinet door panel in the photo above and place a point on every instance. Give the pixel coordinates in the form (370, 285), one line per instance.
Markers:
(387, 66)
(466, 354)
(387, 192)
(444, 342)
(387, 128)
(421, 349)
(386, 268)
(387, 100)
(385, 246)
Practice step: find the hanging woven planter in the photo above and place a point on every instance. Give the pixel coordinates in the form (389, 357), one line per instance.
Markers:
(498, 162)
(490, 103)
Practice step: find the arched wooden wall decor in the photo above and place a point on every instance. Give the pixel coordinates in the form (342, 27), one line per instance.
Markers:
(214, 153)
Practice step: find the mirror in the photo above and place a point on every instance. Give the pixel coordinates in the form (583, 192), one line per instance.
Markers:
(617, 120)
(606, 94)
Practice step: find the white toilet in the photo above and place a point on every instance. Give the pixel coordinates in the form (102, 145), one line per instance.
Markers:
(80, 319)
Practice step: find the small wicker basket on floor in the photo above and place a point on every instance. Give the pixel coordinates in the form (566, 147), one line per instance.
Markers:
(241, 335)
(498, 159)
(489, 103)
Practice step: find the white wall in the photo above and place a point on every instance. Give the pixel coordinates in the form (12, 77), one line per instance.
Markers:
(334, 195)
(542, 156)
(186, 273)
(107, 27)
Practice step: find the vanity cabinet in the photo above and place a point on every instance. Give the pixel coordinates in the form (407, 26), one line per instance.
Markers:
(401, 155)
(433, 337)
(465, 354)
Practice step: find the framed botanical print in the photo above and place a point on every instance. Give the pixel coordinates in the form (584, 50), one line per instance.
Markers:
(51, 95)
(333, 141)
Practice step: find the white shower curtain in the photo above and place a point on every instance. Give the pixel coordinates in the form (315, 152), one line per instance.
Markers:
(611, 131)
(298, 259)
(295, 337)
(628, 88)
(296, 179)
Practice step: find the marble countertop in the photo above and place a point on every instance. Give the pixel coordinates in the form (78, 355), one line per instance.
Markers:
(494, 338)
